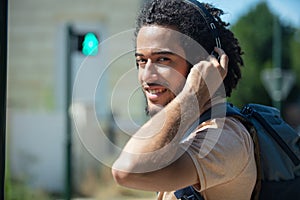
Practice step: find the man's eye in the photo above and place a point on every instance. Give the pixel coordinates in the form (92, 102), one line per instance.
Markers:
(140, 62)
(163, 59)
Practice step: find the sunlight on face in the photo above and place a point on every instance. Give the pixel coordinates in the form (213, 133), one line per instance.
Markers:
(162, 66)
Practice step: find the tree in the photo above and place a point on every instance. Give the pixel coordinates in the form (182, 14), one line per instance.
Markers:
(255, 33)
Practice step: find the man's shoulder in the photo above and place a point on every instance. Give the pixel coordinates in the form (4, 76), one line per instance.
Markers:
(228, 123)
(228, 129)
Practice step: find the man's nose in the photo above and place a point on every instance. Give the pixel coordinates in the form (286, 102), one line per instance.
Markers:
(149, 72)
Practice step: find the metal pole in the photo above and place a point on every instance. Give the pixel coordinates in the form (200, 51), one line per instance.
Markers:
(3, 84)
(277, 61)
(68, 181)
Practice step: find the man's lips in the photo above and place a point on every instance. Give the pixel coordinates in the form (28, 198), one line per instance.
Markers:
(153, 93)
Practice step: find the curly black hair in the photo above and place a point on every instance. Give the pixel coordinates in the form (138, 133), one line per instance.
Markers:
(187, 19)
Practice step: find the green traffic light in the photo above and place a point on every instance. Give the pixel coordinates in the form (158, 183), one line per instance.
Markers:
(90, 45)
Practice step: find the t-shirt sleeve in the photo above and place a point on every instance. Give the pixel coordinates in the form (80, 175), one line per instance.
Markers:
(220, 150)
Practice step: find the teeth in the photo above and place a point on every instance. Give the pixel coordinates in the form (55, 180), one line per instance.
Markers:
(156, 91)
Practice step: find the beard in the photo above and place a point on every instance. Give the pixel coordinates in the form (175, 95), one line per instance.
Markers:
(150, 112)
(155, 108)
(153, 111)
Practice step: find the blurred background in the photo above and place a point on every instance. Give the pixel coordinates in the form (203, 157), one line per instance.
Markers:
(73, 99)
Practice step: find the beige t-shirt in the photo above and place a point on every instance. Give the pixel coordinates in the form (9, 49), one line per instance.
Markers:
(223, 154)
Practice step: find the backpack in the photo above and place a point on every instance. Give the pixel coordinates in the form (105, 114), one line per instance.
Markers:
(277, 152)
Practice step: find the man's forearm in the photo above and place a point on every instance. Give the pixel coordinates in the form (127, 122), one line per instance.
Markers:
(158, 139)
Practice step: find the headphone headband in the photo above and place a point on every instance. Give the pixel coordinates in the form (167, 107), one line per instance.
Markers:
(210, 22)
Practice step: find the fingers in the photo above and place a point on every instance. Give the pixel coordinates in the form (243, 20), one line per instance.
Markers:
(207, 76)
(212, 63)
(223, 58)
(219, 60)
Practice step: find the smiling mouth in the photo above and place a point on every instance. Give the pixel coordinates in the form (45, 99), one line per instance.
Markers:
(156, 91)
(155, 94)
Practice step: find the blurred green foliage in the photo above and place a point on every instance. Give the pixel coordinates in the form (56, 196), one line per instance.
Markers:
(255, 34)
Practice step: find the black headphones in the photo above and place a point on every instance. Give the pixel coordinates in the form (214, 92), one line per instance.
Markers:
(209, 20)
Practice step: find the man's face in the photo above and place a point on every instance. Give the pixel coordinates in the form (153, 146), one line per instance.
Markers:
(162, 65)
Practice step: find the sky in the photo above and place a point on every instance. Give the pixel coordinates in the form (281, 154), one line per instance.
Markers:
(287, 10)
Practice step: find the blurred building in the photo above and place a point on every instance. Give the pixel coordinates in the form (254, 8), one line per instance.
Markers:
(37, 82)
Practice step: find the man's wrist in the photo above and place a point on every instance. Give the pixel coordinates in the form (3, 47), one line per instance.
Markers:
(190, 104)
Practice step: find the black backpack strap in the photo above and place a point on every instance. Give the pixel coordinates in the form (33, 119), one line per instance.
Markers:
(188, 193)
(221, 110)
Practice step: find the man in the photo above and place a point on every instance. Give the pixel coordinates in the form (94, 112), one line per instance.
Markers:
(180, 82)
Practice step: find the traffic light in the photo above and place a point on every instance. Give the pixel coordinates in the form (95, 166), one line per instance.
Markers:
(90, 44)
